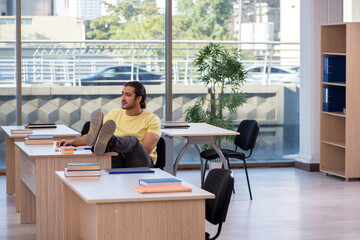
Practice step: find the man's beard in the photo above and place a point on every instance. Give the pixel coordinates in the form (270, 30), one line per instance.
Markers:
(128, 106)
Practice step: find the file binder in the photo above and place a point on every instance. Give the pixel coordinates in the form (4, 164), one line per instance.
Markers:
(333, 98)
(334, 69)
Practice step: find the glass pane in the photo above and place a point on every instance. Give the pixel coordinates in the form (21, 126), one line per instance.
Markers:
(351, 11)
(7, 74)
(266, 33)
(77, 57)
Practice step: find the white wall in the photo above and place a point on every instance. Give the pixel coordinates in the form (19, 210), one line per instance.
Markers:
(312, 15)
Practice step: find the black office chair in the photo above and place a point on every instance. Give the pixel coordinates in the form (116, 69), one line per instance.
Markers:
(249, 130)
(160, 150)
(219, 182)
(85, 128)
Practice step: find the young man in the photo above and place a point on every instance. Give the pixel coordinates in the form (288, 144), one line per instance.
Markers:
(131, 131)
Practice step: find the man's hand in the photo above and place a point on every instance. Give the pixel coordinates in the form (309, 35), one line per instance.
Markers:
(64, 142)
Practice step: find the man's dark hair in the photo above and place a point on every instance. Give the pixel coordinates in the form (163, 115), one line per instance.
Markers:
(139, 91)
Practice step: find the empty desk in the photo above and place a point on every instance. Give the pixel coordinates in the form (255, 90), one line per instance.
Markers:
(107, 208)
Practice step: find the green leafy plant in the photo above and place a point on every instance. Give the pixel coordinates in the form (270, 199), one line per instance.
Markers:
(219, 69)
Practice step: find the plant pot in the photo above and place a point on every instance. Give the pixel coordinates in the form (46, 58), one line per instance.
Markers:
(213, 165)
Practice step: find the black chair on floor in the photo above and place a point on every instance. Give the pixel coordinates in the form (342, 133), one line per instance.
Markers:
(160, 150)
(219, 182)
(248, 130)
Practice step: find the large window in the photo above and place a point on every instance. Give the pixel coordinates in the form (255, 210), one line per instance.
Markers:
(7, 77)
(76, 55)
(267, 33)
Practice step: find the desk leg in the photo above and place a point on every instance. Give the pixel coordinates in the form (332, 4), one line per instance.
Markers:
(183, 150)
(17, 179)
(10, 165)
(169, 154)
(28, 205)
(201, 163)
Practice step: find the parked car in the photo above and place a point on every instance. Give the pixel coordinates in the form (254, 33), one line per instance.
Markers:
(118, 75)
(295, 69)
(278, 75)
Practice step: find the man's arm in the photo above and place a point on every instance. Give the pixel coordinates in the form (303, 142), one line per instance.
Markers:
(80, 141)
(150, 141)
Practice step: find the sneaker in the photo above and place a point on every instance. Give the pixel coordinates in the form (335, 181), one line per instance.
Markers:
(106, 132)
(95, 125)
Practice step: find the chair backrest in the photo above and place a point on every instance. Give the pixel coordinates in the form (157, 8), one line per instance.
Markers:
(221, 183)
(248, 130)
(85, 128)
(160, 149)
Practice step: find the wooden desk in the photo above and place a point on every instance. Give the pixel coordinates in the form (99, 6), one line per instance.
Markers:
(197, 133)
(12, 160)
(107, 208)
(41, 196)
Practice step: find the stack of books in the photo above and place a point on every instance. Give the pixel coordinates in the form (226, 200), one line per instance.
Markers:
(82, 170)
(174, 124)
(21, 131)
(161, 185)
(39, 139)
(40, 125)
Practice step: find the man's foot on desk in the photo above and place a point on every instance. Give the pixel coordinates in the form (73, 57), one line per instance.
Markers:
(95, 125)
(106, 132)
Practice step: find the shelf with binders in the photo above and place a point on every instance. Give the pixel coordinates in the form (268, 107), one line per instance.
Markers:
(334, 99)
(334, 69)
(334, 83)
(340, 86)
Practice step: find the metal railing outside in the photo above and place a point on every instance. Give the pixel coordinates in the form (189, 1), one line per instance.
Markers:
(59, 62)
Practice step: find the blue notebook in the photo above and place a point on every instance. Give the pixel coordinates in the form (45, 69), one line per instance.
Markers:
(129, 170)
(159, 181)
(174, 124)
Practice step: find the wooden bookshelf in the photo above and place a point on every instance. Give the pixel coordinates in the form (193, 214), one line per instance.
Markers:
(340, 131)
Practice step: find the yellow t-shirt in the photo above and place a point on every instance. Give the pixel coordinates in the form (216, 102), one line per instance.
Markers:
(135, 125)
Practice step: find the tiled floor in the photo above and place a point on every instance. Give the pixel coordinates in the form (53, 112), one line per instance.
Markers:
(288, 204)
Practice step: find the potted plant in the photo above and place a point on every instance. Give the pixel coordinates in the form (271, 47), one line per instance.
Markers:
(219, 69)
